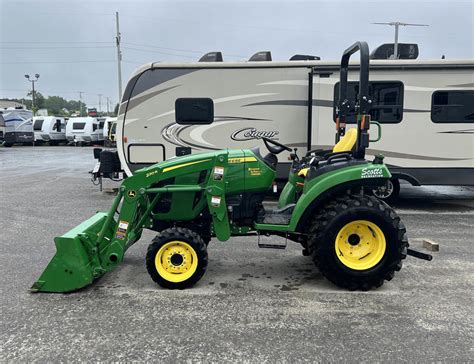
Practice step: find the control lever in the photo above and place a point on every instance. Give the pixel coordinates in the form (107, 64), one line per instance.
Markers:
(294, 155)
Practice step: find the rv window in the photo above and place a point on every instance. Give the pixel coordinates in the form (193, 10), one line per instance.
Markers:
(101, 125)
(57, 125)
(387, 106)
(78, 126)
(38, 124)
(189, 111)
(452, 107)
(94, 127)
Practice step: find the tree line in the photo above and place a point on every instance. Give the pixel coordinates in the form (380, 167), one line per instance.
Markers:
(56, 105)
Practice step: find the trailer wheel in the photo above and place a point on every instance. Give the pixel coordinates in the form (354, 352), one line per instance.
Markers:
(177, 258)
(388, 192)
(7, 145)
(358, 242)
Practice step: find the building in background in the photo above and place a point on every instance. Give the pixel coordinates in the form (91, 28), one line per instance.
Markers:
(11, 103)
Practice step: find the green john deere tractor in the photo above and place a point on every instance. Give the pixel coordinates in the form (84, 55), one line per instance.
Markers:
(355, 240)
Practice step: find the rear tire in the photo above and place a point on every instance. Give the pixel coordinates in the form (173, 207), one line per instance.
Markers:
(358, 242)
(177, 258)
(7, 145)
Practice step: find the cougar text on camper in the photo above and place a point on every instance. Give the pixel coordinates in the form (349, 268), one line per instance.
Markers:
(252, 133)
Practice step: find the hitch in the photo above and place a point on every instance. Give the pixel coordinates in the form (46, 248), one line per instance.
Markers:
(419, 255)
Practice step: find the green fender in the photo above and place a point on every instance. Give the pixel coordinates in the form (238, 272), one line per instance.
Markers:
(287, 195)
(293, 187)
(363, 174)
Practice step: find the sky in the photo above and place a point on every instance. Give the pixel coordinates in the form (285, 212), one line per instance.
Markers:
(71, 44)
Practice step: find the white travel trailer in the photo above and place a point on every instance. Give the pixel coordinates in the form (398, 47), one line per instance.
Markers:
(18, 126)
(109, 131)
(2, 128)
(50, 129)
(426, 110)
(84, 130)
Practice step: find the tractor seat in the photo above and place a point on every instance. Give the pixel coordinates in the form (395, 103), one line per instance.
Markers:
(347, 143)
(303, 172)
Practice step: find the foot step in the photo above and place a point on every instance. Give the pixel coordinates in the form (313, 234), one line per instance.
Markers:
(268, 242)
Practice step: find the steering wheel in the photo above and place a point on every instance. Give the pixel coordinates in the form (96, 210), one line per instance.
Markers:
(276, 148)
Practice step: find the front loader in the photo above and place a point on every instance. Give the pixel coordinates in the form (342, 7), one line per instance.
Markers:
(355, 240)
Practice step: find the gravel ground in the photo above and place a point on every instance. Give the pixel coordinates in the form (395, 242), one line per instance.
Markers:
(252, 304)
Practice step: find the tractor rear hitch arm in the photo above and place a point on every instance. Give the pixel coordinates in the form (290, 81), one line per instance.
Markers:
(419, 255)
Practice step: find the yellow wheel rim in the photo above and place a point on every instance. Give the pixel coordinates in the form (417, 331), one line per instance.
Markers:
(176, 261)
(360, 245)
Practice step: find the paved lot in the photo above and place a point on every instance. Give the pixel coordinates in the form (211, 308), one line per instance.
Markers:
(253, 305)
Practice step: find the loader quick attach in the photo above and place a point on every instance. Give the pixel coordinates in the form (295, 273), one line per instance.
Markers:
(356, 240)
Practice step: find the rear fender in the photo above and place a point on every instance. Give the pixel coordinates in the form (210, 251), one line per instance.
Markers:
(322, 188)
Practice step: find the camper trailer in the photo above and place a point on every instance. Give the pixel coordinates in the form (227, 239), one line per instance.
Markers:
(2, 128)
(425, 110)
(18, 126)
(85, 130)
(50, 129)
(109, 131)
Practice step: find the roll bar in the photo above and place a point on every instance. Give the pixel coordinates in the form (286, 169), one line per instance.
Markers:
(361, 105)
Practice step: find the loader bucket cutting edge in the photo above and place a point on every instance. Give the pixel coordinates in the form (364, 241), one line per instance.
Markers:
(74, 265)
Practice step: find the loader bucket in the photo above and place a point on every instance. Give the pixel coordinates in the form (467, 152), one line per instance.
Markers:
(76, 263)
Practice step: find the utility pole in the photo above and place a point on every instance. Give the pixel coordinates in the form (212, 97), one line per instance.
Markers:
(100, 104)
(33, 92)
(80, 102)
(108, 105)
(119, 57)
(397, 24)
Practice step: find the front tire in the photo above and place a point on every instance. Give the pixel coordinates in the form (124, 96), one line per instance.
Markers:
(177, 258)
(358, 242)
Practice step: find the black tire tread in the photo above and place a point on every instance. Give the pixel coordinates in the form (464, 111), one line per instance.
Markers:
(188, 236)
(333, 209)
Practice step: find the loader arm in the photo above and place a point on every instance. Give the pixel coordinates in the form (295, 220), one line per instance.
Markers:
(98, 245)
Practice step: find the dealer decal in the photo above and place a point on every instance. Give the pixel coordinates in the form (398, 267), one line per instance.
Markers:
(121, 230)
(218, 173)
(255, 171)
(215, 201)
(371, 173)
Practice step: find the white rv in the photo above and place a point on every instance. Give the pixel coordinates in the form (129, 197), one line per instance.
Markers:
(86, 130)
(426, 109)
(50, 129)
(2, 128)
(109, 131)
(18, 126)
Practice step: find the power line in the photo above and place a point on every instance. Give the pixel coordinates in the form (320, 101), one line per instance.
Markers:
(133, 62)
(56, 62)
(150, 51)
(56, 42)
(66, 47)
(156, 47)
(178, 49)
